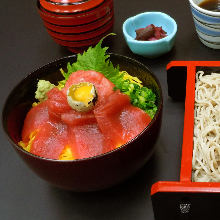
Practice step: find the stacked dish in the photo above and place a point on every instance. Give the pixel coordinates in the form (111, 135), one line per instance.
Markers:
(77, 24)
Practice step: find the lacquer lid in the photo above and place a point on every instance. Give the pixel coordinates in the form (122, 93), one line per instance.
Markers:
(70, 6)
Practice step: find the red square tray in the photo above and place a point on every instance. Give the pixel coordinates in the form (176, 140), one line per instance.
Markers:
(186, 199)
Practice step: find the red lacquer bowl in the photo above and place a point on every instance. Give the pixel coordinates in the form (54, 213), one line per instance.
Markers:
(76, 18)
(81, 45)
(78, 29)
(78, 46)
(74, 6)
(82, 36)
(87, 174)
(73, 29)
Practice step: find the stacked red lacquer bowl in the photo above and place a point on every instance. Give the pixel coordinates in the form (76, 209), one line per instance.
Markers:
(77, 24)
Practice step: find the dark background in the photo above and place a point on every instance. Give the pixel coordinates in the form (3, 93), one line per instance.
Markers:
(25, 46)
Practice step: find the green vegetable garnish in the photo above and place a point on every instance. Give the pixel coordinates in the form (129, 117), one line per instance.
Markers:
(43, 86)
(95, 58)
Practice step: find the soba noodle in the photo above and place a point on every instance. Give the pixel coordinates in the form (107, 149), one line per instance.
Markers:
(206, 151)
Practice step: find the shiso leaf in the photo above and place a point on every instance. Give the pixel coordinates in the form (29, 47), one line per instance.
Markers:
(96, 58)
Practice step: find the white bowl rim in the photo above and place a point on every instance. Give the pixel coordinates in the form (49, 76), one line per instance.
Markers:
(167, 38)
(212, 13)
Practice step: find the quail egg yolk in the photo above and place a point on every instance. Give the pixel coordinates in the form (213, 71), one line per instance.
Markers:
(81, 94)
(82, 97)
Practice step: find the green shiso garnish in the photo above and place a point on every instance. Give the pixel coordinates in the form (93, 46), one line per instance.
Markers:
(96, 58)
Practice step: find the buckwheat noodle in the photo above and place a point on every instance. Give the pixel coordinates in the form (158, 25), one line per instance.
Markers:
(206, 151)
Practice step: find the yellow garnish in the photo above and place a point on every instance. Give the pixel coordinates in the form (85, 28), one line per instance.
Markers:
(66, 154)
(35, 104)
(118, 145)
(27, 146)
(23, 145)
(132, 79)
(61, 84)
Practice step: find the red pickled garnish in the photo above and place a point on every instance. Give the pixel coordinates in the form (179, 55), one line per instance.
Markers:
(150, 33)
(145, 33)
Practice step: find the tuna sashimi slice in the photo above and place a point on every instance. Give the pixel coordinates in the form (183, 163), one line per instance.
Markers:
(35, 118)
(57, 103)
(89, 141)
(119, 121)
(50, 140)
(114, 103)
(73, 117)
(108, 118)
(133, 121)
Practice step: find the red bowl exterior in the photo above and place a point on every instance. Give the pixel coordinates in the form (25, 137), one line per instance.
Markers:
(76, 50)
(68, 2)
(84, 35)
(70, 7)
(80, 28)
(88, 174)
(82, 43)
(76, 19)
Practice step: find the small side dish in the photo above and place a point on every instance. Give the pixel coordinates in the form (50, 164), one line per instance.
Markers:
(95, 109)
(206, 152)
(151, 41)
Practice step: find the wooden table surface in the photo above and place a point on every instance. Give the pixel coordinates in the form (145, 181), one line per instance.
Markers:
(25, 46)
